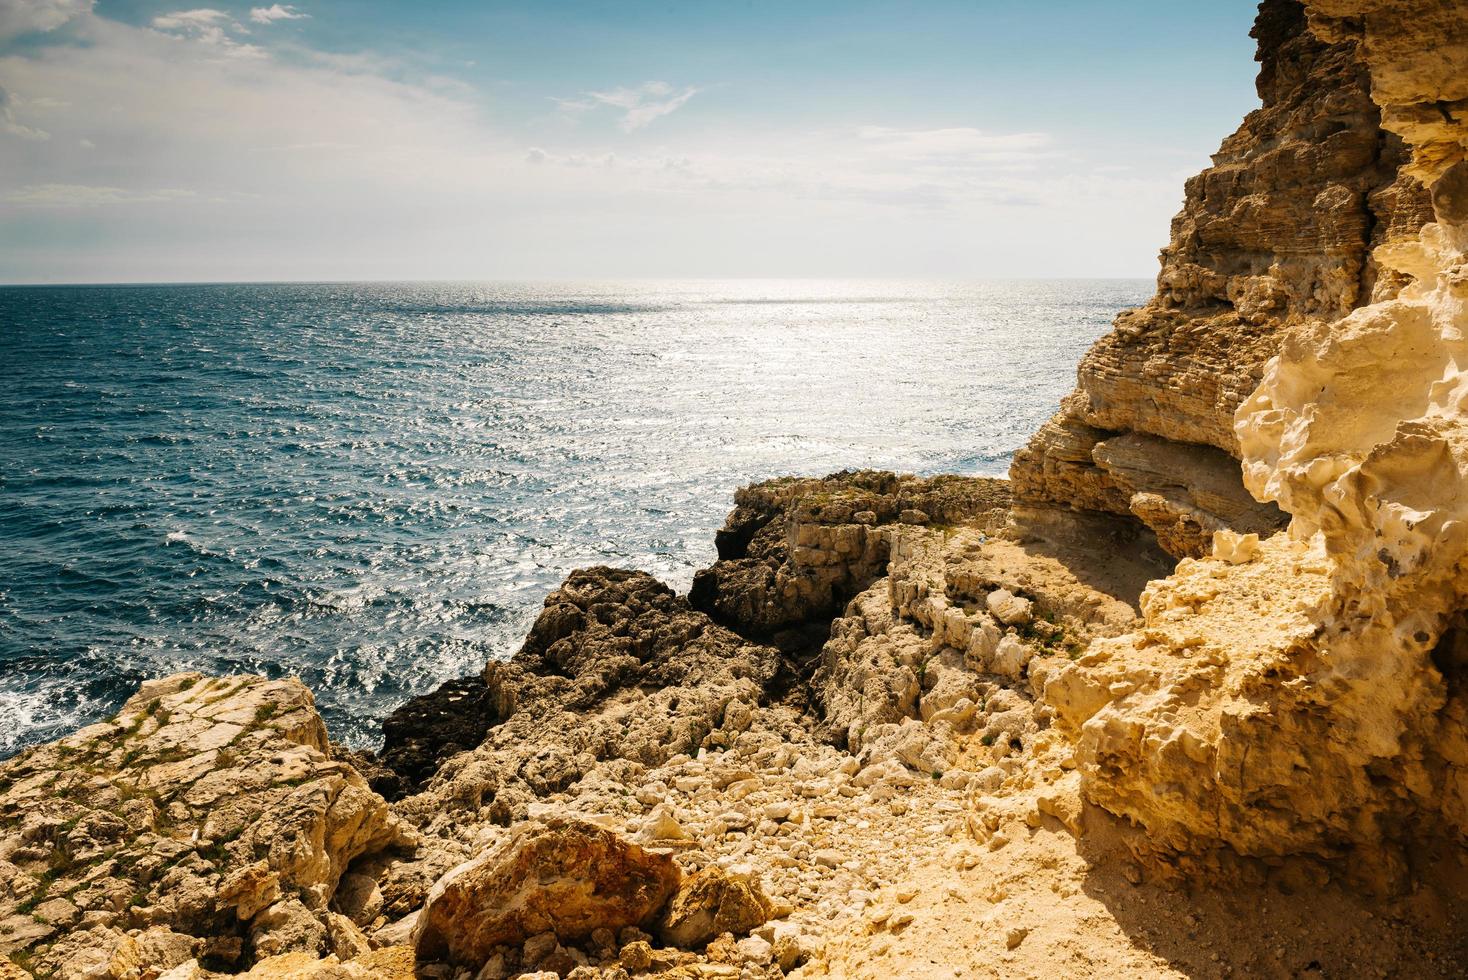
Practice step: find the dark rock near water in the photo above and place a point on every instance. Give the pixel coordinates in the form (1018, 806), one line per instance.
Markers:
(618, 665)
(794, 551)
(419, 736)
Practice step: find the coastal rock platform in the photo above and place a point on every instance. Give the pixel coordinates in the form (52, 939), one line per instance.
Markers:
(1184, 698)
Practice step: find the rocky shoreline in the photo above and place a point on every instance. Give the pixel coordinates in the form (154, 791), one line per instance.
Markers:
(1184, 697)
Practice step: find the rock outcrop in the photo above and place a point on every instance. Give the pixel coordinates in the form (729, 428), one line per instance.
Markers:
(793, 551)
(617, 666)
(951, 610)
(206, 819)
(1278, 231)
(1417, 55)
(1303, 695)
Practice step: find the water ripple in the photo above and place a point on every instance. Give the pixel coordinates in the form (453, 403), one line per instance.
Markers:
(374, 486)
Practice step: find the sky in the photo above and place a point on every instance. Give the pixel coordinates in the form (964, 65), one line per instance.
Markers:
(572, 139)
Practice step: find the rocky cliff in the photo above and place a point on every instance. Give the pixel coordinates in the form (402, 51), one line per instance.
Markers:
(1303, 694)
(1211, 636)
(1279, 231)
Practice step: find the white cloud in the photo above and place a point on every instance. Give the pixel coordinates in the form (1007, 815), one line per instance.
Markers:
(189, 20)
(9, 124)
(959, 143)
(172, 115)
(275, 12)
(206, 26)
(928, 170)
(19, 17)
(639, 106)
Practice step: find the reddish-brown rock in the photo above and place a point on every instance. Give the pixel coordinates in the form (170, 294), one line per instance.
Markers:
(563, 876)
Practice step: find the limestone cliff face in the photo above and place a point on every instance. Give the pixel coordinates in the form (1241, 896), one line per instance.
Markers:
(1305, 694)
(1278, 231)
(1417, 53)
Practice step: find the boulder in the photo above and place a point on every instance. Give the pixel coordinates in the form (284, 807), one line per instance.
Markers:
(287, 927)
(710, 903)
(1008, 608)
(151, 952)
(561, 876)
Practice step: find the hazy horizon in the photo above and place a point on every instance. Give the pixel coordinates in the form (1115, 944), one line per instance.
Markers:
(154, 142)
(576, 280)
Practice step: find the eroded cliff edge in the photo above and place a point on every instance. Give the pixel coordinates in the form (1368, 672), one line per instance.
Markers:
(1302, 695)
(1279, 232)
(919, 727)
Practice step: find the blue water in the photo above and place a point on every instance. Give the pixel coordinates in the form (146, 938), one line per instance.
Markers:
(374, 486)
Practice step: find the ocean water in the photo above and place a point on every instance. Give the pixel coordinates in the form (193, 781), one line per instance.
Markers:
(373, 487)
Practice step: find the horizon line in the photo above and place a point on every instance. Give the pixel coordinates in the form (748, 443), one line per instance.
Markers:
(555, 279)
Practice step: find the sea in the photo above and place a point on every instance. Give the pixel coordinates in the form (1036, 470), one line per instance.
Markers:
(374, 486)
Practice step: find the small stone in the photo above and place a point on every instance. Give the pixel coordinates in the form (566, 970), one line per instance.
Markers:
(1015, 936)
(828, 858)
(753, 949)
(1008, 608)
(538, 947)
(561, 961)
(493, 969)
(636, 956)
(661, 824)
(787, 952)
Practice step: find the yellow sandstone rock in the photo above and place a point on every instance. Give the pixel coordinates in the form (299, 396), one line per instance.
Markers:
(1297, 698)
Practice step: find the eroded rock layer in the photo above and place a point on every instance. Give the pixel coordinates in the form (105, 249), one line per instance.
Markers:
(1303, 695)
(795, 550)
(1279, 230)
(205, 820)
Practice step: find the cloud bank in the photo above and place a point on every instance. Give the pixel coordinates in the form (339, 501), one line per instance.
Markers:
(21, 17)
(193, 147)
